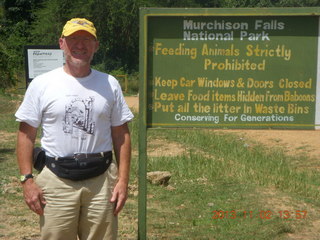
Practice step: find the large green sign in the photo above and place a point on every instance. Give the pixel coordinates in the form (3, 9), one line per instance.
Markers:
(231, 71)
(226, 68)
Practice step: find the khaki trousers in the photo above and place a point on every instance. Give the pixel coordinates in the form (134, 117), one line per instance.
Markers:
(78, 209)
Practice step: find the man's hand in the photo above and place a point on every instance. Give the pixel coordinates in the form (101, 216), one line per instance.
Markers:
(33, 196)
(119, 196)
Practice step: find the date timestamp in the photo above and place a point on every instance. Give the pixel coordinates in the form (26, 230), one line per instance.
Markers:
(260, 214)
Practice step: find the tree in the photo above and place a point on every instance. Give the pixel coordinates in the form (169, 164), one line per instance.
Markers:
(298, 3)
(117, 22)
(16, 18)
(49, 20)
(7, 71)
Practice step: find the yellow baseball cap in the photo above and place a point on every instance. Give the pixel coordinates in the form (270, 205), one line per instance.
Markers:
(77, 24)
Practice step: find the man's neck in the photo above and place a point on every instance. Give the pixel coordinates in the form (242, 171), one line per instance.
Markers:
(77, 71)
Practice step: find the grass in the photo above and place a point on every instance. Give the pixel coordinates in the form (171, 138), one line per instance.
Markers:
(194, 217)
(7, 106)
(229, 175)
(199, 192)
(221, 188)
(228, 157)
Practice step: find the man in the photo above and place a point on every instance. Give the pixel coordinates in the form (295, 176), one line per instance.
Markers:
(83, 116)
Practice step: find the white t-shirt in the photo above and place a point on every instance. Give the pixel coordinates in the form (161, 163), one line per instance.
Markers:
(76, 114)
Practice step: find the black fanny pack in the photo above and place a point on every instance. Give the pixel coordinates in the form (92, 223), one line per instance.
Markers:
(80, 166)
(39, 158)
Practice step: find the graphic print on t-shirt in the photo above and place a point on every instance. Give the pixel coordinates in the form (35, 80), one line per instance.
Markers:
(78, 116)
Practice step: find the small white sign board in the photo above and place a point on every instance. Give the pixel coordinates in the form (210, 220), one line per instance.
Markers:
(41, 59)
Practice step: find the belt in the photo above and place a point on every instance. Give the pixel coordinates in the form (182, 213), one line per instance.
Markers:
(79, 156)
(80, 166)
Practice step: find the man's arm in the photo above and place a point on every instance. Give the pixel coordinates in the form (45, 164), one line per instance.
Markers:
(122, 148)
(32, 193)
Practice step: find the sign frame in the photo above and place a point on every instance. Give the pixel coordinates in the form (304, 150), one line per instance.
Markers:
(145, 15)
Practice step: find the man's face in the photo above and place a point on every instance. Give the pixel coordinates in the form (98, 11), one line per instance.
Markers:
(79, 48)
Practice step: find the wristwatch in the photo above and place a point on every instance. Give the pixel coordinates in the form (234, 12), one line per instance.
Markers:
(25, 177)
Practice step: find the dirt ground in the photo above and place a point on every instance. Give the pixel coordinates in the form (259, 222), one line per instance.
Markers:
(294, 142)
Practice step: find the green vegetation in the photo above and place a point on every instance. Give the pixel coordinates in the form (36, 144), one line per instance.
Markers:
(238, 163)
(7, 105)
(39, 22)
(227, 189)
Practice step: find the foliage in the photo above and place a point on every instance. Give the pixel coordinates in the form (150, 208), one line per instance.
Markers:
(7, 76)
(40, 22)
(118, 26)
(51, 18)
(16, 17)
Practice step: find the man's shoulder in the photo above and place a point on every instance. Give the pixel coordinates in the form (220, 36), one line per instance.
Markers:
(49, 75)
(46, 78)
